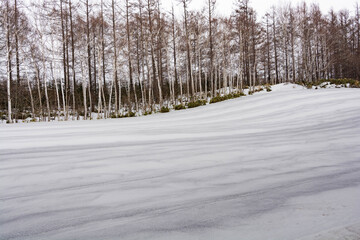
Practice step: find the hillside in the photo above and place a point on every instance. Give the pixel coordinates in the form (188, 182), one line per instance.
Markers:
(278, 165)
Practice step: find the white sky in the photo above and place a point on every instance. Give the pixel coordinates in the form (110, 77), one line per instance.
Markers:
(224, 7)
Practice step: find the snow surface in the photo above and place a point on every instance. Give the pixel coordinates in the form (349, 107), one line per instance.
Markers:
(278, 165)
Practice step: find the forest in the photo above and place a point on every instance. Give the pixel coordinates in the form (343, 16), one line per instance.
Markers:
(64, 59)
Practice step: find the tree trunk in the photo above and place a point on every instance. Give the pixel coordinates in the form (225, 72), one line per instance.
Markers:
(84, 90)
(64, 54)
(104, 88)
(8, 52)
(17, 56)
(115, 69)
(72, 58)
(31, 95)
(89, 53)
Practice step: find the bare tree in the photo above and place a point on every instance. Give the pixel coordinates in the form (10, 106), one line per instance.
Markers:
(8, 56)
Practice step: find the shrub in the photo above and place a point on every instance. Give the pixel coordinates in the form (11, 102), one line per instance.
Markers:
(226, 97)
(130, 114)
(179, 107)
(216, 99)
(356, 84)
(338, 82)
(164, 109)
(113, 115)
(308, 86)
(268, 89)
(258, 89)
(197, 103)
(237, 95)
(25, 116)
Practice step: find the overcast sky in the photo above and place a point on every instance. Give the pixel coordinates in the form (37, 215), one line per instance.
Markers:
(224, 7)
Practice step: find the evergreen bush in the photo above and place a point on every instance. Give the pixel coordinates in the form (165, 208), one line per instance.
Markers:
(164, 109)
(197, 103)
(130, 114)
(226, 97)
(338, 82)
(179, 107)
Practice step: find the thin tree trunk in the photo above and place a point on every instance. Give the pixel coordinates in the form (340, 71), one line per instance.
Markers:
(63, 96)
(89, 53)
(143, 90)
(31, 95)
(199, 78)
(64, 54)
(181, 90)
(45, 87)
(39, 89)
(8, 52)
(72, 58)
(206, 83)
(159, 84)
(131, 84)
(210, 6)
(115, 69)
(67, 83)
(275, 49)
(110, 97)
(84, 90)
(151, 46)
(17, 55)
(188, 70)
(103, 54)
(95, 70)
(100, 86)
(54, 79)
(174, 51)
(90, 100)
(215, 80)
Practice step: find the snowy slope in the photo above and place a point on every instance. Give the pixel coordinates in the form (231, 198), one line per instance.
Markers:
(279, 165)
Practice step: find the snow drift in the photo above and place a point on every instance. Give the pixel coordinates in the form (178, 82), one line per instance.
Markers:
(279, 165)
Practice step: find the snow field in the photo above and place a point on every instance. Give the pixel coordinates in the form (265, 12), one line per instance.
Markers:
(278, 165)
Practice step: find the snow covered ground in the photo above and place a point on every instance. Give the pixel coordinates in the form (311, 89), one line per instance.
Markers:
(278, 165)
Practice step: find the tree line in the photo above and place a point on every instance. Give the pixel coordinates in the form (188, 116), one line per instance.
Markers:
(114, 57)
